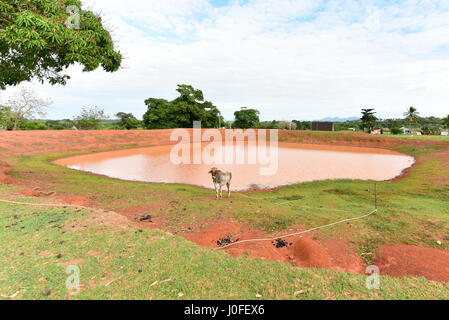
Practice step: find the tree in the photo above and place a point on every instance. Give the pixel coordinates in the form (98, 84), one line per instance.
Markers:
(412, 115)
(246, 118)
(127, 121)
(42, 38)
(369, 120)
(90, 119)
(181, 112)
(446, 122)
(26, 104)
(5, 117)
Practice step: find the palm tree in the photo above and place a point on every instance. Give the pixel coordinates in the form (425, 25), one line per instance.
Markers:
(412, 115)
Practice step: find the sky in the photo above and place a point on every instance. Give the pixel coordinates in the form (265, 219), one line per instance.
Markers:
(303, 60)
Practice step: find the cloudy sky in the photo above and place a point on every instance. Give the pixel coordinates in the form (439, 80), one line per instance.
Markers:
(305, 59)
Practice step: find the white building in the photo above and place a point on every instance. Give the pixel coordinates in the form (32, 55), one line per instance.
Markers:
(445, 133)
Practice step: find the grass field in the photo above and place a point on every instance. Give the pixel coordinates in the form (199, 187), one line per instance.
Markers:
(436, 138)
(413, 210)
(121, 261)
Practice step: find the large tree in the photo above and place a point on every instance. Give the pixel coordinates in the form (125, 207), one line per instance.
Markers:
(181, 112)
(369, 120)
(42, 38)
(246, 118)
(25, 105)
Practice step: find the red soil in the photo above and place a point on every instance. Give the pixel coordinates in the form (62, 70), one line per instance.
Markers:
(302, 252)
(402, 260)
(5, 168)
(398, 260)
(310, 254)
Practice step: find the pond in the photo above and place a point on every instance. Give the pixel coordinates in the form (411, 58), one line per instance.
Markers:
(296, 163)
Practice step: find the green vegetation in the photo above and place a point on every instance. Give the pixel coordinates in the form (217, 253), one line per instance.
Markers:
(127, 121)
(39, 39)
(412, 115)
(25, 105)
(246, 118)
(431, 125)
(181, 112)
(90, 118)
(369, 120)
(37, 244)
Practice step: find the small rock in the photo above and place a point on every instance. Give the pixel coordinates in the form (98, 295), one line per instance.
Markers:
(46, 292)
(180, 294)
(439, 243)
(258, 296)
(59, 256)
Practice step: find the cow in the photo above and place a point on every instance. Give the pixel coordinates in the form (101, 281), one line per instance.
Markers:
(220, 179)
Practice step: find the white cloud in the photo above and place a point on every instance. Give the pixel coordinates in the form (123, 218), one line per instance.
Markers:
(290, 59)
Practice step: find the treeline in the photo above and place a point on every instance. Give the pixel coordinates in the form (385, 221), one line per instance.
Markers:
(190, 106)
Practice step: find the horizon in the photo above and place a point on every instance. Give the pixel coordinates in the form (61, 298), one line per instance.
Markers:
(315, 59)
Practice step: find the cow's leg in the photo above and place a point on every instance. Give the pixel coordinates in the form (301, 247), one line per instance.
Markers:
(216, 191)
(221, 192)
(229, 189)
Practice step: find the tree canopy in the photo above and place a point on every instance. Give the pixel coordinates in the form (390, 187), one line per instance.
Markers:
(36, 41)
(246, 118)
(181, 112)
(412, 115)
(369, 120)
(127, 121)
(90, 118)
(446, 122)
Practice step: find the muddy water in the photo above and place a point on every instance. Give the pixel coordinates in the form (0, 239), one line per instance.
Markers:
(296, 163)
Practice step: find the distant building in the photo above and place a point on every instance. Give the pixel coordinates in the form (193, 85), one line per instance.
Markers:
(445, 133)
(413, 132)
(376, 131)
(406, 130)
(2, 128)
(322, 126)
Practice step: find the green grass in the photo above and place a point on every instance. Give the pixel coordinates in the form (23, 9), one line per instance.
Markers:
(437, 138)
(121, 261)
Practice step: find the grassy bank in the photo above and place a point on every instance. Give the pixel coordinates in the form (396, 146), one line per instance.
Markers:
(118, 260)
(413, 210)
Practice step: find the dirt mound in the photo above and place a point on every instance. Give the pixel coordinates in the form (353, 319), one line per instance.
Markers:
(76, 200)
(344, 256)
(310, 254)
(29, 193)
(5, 168)
(404, 260)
